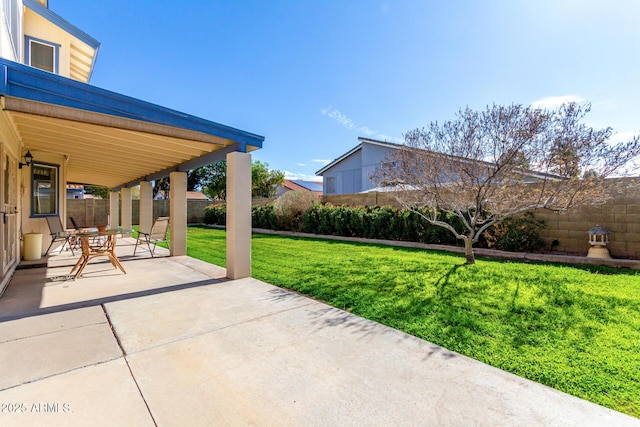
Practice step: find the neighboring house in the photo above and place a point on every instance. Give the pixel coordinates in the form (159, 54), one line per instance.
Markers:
(55, 128)
(349, 173)
(75, 191)
(197, 195)
(191, 195)
(299, 185)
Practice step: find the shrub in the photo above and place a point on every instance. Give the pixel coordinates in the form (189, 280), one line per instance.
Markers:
(517, 234)
(300, 211)
(264, 217)
(215, 214)
(291, 207)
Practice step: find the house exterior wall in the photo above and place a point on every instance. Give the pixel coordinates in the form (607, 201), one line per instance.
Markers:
(372, 156)
(31, 24)
(75, 51)
(347, 175)
(39, 224)
(36, 26)
(352, 174)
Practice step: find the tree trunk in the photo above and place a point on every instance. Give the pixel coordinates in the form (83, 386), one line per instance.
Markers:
(468, 250)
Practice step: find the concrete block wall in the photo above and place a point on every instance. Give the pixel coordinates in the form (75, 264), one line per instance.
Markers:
(620, 215)
(93, 212)
(87, 212)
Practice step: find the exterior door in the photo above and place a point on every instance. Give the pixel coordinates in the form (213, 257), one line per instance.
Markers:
(8, 217)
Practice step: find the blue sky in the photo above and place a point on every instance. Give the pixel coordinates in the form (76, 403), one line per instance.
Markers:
(313, 76)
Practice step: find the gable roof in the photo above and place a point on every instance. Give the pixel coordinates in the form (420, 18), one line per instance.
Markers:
(196, 195)
(84, 48)
(357, 148)
(290, 185)
(109, 139)
(530, 173)
(308, 185)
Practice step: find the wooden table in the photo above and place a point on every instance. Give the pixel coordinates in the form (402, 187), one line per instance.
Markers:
(106, 246)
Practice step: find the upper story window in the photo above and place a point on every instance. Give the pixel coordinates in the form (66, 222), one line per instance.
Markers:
(41, 54)
(44, 191)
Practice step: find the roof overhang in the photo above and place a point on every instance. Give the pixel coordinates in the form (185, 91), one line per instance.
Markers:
(109, 139)
(355, 149)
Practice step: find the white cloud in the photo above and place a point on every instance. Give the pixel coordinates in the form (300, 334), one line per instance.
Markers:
(348, 123)
(366, 131)
(300, 164)
(322, 161)
(552, 102)
(301, 176)
(338, 117)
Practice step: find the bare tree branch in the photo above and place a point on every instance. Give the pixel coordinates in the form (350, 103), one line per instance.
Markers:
(486, 166)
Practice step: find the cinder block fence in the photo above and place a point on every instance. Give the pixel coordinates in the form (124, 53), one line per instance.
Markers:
(620, 215)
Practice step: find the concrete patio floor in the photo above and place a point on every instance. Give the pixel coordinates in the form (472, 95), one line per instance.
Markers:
(174, 343)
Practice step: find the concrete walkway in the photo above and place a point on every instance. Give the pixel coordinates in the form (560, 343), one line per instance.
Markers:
(172, 343)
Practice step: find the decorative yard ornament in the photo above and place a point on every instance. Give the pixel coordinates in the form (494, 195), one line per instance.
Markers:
(598, 239)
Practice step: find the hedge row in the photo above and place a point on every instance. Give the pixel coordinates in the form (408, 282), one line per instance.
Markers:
(520, 234)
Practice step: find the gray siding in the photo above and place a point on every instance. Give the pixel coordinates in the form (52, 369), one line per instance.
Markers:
(352, 174)
(347, 174)
(372, 156)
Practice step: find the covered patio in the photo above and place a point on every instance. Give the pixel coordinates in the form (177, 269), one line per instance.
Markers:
(88, 135)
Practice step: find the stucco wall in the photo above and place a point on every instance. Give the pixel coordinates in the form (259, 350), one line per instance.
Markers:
(39, 225)
(37, 27)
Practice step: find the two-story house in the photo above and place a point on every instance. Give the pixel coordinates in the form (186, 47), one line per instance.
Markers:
(55, 128)
(350, 173)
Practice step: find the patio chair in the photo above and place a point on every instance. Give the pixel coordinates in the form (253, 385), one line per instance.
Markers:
(74, 241)
(158, 234)
(58, 234)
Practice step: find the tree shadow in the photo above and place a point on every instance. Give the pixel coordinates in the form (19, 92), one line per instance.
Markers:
(443, 290)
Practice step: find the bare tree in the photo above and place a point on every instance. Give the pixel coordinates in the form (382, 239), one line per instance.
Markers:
(486, 166)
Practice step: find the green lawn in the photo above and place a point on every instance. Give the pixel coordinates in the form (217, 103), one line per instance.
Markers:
(576, 329)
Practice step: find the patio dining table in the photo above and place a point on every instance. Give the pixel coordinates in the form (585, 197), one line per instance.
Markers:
(95, 244)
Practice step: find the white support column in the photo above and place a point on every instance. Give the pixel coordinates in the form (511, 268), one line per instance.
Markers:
(114, 209)
(178, 213)
(146, 206)
(238, 215)
(127, 211)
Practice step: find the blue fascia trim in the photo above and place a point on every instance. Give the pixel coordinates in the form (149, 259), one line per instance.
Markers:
(62, 23)
(93, 64)
(33, 84)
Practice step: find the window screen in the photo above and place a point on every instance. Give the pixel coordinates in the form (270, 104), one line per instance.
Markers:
(42, 56)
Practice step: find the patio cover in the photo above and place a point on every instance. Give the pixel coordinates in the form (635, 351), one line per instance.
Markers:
(109, 139)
